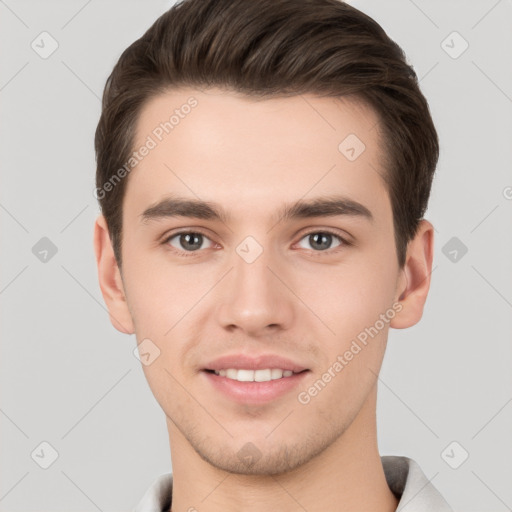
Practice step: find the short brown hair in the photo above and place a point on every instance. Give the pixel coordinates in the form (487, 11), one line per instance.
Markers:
(270, 48)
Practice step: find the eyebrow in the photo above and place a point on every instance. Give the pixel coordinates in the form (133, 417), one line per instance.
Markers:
(330, 206)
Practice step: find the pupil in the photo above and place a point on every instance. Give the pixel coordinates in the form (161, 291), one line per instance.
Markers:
(191, 241)
(321, 240)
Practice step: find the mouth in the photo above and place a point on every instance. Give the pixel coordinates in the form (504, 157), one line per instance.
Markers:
(259, 375)
(253, 378)
(254, 387)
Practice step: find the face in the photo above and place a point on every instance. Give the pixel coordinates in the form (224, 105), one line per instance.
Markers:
(259, 279)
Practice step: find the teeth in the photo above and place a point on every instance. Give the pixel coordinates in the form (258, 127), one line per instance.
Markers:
(262, 375)
(265, 375)
(276, 373)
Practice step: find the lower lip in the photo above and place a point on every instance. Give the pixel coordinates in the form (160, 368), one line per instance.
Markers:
(254, 392)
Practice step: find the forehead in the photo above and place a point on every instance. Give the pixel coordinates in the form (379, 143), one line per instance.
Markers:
(253, 155)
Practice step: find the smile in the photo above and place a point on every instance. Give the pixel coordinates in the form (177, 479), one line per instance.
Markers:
(263, 375)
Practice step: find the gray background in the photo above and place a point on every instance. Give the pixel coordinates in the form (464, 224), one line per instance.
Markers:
(70, 379)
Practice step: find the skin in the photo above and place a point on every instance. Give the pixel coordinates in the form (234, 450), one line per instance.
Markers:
(251, 157)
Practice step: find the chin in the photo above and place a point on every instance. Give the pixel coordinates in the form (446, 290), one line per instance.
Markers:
(268, 461)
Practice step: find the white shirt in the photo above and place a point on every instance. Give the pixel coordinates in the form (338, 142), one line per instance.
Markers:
(404, 477)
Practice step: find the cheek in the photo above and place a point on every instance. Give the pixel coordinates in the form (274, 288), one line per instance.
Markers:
(351, 307)
(160, 294)
(349, 299)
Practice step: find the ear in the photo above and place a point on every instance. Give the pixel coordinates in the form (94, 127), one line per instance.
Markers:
(110, 281)
(414, 280)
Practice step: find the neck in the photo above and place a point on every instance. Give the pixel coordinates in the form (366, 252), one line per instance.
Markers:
(346, 476)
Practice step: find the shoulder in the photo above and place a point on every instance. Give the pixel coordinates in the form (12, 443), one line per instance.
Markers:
(410, 484)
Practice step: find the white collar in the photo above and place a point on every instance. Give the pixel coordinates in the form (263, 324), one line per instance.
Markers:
(403, 475)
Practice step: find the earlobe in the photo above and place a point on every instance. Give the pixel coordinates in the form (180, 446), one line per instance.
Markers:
(414, 281)
(110, 281)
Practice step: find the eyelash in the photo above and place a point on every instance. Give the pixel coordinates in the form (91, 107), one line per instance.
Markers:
(343, 242)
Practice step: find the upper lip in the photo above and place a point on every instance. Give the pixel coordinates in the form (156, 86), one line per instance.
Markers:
(243, 361)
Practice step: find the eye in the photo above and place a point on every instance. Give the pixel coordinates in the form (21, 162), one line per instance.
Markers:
(188, 241)
(322, 240)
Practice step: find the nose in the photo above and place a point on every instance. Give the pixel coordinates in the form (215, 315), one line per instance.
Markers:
(254, 299)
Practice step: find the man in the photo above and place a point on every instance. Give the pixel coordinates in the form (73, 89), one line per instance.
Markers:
(263, 170)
